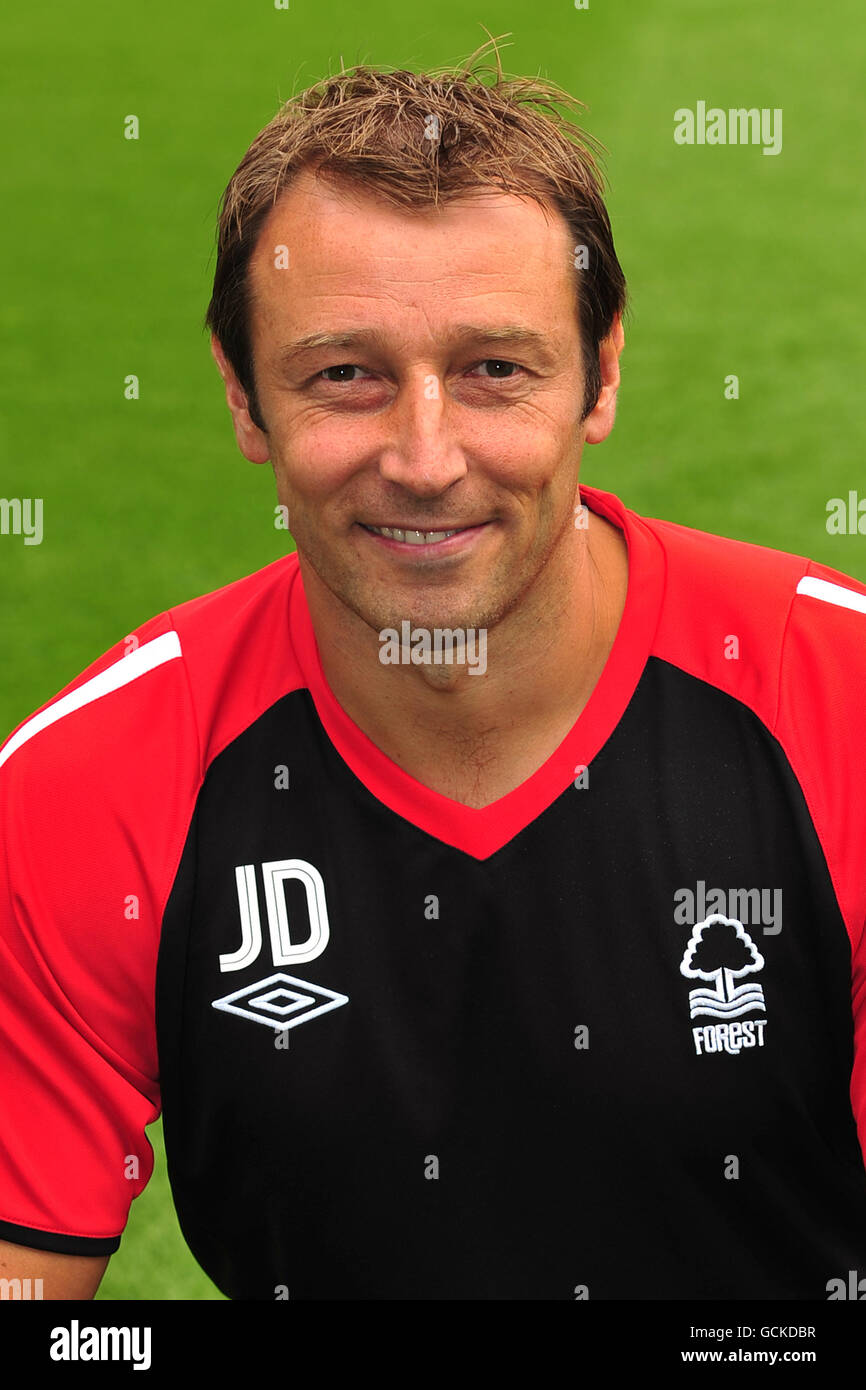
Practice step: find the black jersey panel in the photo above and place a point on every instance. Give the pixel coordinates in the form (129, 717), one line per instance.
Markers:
(611, 1060)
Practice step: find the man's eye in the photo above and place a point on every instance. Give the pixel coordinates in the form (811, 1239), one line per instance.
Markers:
(343, 367)
(501, 370)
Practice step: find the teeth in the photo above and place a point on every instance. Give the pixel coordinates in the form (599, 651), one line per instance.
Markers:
(393, 533)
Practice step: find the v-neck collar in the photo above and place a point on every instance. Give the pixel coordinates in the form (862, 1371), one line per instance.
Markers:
(481, 831)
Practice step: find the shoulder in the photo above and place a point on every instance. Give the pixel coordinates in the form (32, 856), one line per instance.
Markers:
(751, 619)
(98, 786)
(164, 680)
(786, 637)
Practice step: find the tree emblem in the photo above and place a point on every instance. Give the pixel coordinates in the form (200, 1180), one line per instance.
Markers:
(720, 950)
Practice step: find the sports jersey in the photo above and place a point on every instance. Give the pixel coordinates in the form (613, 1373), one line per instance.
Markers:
(604, 1038)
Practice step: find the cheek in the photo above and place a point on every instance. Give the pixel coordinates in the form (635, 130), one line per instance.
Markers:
(313, 473)
(319, 457)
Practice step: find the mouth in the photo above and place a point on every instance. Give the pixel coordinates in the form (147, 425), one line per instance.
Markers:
(407, 536)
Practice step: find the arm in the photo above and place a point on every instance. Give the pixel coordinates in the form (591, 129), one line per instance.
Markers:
(63, 1276)
(78, 1063)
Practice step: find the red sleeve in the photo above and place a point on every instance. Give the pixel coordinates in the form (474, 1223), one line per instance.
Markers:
(821, 725)
(96, 792)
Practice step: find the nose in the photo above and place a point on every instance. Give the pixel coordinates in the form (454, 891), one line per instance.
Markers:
(420, 452)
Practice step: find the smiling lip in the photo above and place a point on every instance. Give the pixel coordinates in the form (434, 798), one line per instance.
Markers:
(411, 538)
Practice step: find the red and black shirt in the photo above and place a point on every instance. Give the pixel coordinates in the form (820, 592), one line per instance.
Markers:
(603, 1038)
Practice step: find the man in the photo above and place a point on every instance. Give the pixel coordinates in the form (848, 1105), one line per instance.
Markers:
(510, 962)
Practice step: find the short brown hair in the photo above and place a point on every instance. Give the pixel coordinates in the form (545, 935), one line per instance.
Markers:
(371, 127)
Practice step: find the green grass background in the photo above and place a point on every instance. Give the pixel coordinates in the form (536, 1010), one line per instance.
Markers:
(737, 263)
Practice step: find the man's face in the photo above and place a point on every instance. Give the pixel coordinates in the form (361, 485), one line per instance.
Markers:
(450, 399)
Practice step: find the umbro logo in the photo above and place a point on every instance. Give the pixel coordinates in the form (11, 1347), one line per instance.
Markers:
(281, 1001)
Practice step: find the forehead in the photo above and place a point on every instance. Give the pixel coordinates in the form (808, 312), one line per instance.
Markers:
(325, 243)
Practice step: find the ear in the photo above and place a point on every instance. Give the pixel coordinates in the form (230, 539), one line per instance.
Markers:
(252, 442)
(599, 421)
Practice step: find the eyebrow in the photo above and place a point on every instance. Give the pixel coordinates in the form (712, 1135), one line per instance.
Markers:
(485, 336)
